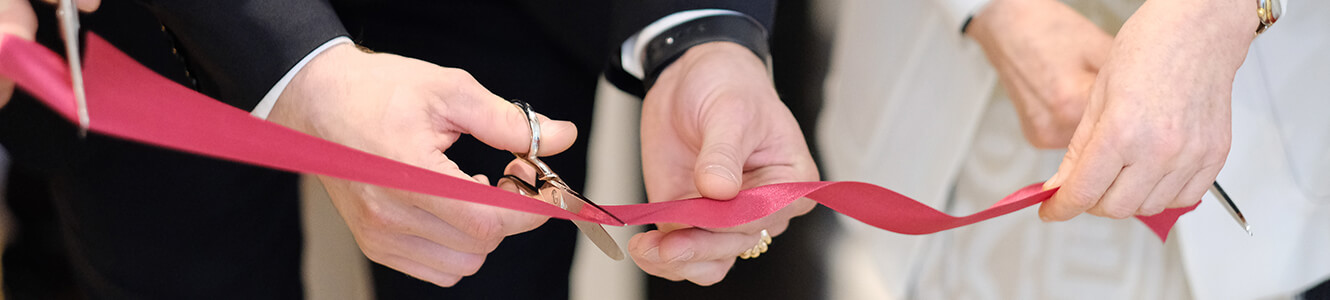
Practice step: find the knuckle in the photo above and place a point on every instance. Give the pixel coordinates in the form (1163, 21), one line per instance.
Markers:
(724, 152)
(377, 216)
(1081, 199)
(670, 277)
(1168, 147)
(484, 246)
(455, 74)
(1215, 156)
(471, 264)
(482, 227)
(373, 254)
(708, 279)
(1068, 114)
(1119, 210)
(446, 280)
(1183, 202)
(1150, 210)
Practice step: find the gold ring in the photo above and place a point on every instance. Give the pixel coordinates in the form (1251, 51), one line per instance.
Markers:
(762, 246)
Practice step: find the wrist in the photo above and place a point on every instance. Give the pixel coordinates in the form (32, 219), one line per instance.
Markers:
(1212, 20)
(662, 50)
(728, 55)
(999, 15)
(1216, 29)
(317, 80)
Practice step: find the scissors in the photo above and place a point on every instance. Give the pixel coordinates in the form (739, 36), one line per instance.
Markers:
(554, 190)
(68, 14)
(1218, 192)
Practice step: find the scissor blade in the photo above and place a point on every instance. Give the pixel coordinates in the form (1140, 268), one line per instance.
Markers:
(558, 193)
(69, 29)
(1219, 193)
(601, 238)
(580, 202)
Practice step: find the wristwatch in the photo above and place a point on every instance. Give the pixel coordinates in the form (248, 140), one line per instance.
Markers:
(1268, 11)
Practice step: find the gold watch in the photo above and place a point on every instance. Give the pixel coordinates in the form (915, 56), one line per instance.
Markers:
(1268, 12)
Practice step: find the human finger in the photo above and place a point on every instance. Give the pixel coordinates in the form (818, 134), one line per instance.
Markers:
(502, 125)
(696, 245)
(697, 255)
(1085, 182)
(83, 5)
(480, 221)
(1168, 189)
(1195, 188)
(418, 270)
(437, 257)
(719, 167)
(706, 273)
(1128, 191)
(430, 227)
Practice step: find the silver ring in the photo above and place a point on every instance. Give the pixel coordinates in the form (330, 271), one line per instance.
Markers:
(533, 123)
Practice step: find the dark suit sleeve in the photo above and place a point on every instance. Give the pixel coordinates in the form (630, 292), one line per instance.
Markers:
(238, 49)
(630, 16)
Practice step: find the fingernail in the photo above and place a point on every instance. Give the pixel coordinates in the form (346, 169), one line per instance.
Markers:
(685, 256)
(652, 255)
(722, 172)
(1046, 219)
(1052, 181)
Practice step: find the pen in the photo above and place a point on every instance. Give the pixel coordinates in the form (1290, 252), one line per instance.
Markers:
(1218, 192)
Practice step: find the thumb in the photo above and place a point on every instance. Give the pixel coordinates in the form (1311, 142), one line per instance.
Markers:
(83, 5)
(719, 169)
(502, 125)
(16, 18)
(88, 5)
(6, 91)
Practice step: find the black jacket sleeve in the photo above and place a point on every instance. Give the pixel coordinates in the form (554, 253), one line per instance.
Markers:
(238, 49)
(630, 16)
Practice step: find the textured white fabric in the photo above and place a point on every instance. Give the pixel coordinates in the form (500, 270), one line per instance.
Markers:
(916, 110)
(890, 63)
(1020, 257)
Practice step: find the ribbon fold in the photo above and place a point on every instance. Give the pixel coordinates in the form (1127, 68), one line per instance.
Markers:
(129, 101)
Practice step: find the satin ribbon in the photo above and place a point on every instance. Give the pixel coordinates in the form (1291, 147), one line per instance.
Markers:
(129, 101)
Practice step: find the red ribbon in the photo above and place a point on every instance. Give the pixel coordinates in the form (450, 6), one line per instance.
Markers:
(128, 101)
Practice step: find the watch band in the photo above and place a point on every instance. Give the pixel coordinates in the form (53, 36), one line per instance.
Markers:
(671, 44)
(1268, 11)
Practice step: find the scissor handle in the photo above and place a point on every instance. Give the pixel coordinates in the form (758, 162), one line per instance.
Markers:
(532, 154)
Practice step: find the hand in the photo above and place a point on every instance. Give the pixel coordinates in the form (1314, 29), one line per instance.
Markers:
(1047, 57)
(711, 125)
(17, 18)
(411, 111)
(1157, 129)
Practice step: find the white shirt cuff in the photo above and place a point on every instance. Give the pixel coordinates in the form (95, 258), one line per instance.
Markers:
(634, 48)
(264, 108)
(957, 11)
